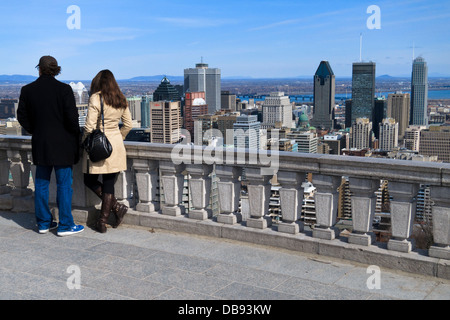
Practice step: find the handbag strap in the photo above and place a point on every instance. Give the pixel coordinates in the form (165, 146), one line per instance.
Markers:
(101, 108)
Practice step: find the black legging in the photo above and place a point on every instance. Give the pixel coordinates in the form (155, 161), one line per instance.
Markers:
(108, 179)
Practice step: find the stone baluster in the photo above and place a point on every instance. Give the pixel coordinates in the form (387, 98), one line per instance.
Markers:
(123, 188)
(441, 223)
(229, 188)
(172, 181)
(326, 202)
(199, 190)
(403, 212)
(291, 198)
(20, 171)
(146, 172)
(363, 209)
(259, 189)
(5, 188)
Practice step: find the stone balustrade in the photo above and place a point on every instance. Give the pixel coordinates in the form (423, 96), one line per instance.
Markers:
(158, 175)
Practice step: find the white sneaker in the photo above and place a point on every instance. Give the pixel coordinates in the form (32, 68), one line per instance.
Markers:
(74, 230)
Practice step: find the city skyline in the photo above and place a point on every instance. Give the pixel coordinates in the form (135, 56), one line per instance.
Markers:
(258, 39)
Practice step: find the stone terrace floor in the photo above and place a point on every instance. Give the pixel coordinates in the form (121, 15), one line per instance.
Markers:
(145, 264)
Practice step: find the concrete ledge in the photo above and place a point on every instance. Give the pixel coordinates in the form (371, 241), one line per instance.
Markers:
(417, 262)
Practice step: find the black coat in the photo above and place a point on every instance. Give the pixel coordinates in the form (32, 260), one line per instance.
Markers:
(47, 110)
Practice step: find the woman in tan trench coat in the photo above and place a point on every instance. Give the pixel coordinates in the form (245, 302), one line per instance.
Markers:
(115, 108)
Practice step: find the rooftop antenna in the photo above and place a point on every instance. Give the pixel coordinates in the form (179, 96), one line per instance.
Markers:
(414, 47)
(360, 47)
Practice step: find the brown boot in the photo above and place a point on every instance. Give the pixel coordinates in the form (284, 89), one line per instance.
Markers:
(107, 201)
(117, 208)
(119, 211)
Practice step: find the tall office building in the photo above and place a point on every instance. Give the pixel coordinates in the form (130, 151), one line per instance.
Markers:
(166, 92)
(8, 108)
(361, 134)
(247, 132)
(435, 141)
(307, 141)
(363, 91)
(228, 101)
(194, 106)
(145, 111)
(165, 122)
(134, 104)
(203, 78)
(388, 134)
(324, 95)
(398, 106)
(277, 108)
(419, 93)
(80, 93)
(412, 137)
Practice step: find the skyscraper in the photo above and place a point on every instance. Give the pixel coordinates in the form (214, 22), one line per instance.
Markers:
(194, 106)
(165, 122)
(166, 91)
(324, 93)
(277, 108)
(419, 93)
(388, 134)
(202, 78)
(247, 132)
(398, 108)
(361, 134)
(363, 91)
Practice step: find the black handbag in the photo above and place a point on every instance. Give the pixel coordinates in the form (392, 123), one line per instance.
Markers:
(96, 143)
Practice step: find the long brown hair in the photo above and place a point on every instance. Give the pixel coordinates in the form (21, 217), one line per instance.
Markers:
(105, 82)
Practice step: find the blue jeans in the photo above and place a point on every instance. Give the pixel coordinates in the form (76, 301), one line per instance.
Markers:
(64, 193)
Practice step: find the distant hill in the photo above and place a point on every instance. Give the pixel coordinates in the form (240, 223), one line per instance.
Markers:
(155, 78)
(17, 78)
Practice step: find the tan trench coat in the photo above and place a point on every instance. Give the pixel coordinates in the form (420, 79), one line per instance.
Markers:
(118, 160)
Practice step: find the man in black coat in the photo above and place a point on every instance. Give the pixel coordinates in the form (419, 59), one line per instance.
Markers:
(47, 111)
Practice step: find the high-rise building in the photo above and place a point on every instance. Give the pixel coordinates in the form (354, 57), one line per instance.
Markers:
(435, 141)
(412, 137)
(419, 93)
(363, 91)
(8, 108)
(203, 78)
(194, 106)
(228, 101)
(165, 122)
(398, 106)
(324, 95)
(80, 93)
(145, 110)
(277, 108)
(247, 132)
(166, 92)
(388, 134)
(134, 104)
(307, 141)
(361, 134)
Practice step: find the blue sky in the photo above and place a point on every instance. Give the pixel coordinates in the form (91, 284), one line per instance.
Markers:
(257, 38)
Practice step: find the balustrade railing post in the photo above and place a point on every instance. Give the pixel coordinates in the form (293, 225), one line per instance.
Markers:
(326, 202)
(146, 172)
(403, 212)
(199, 190)
(363, 208)
(20, 171)
(172, 181)
(440, 222)
(229, 188)
(291, 198)
(5, 188)
(259, 189)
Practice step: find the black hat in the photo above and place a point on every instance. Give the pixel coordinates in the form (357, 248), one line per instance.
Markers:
(47, 61)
